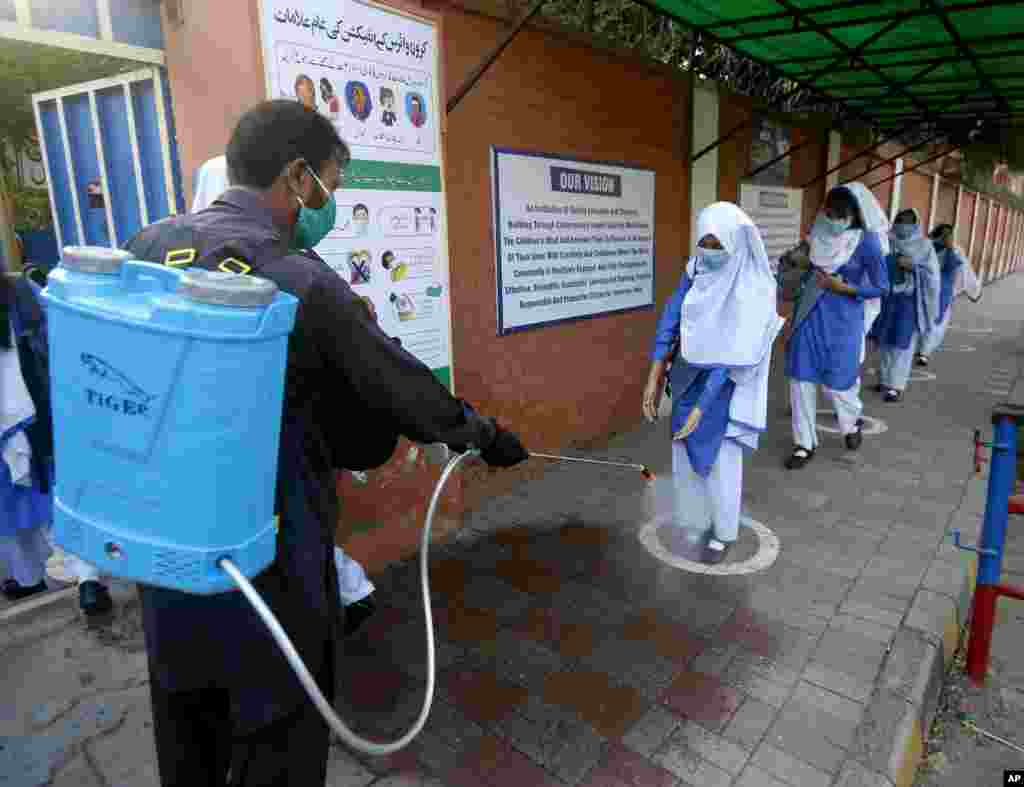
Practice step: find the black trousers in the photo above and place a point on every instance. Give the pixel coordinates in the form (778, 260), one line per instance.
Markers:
(196, 745)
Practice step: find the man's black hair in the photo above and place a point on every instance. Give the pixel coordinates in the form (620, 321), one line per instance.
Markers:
(904, 213)
(360, 206)
(938, 231)
(842, 198)
(272, 134)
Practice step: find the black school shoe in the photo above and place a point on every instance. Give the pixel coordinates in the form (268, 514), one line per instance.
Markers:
(854, 439)
(799, 458)
(94, 598)
(715, 556)
(357, 613)
(16, 592)
(923, 360)
(892, 396)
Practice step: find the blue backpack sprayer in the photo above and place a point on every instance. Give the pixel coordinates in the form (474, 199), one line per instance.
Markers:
(146, 362)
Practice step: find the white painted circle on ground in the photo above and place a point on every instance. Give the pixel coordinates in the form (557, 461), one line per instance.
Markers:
(767, 551)
(872, 425)
(972, 330)
(961, 348)
(916, 375)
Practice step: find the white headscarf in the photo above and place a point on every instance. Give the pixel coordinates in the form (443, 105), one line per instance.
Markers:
(16, 409)
(211, 181)
(966, 280)
(927, 277)
(729, 315)
(831, 252)
(871, 213)
(876, 221)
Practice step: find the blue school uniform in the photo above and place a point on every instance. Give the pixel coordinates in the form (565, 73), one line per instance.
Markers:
(825, 347)
(709, 389)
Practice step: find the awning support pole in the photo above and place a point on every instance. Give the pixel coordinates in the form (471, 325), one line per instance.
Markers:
(891, 135)
(911, 169)
(690, 132)
(901, 154)
(495, 53)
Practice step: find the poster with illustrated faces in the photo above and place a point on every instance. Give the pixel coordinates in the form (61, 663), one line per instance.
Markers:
(385, 245)
(372, 71)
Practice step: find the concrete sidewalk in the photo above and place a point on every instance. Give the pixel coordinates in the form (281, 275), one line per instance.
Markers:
(568, 654)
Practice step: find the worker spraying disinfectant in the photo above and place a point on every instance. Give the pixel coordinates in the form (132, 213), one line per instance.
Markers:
(192, 456)
(146, 362)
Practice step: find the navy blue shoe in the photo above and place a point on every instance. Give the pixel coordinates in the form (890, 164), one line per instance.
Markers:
(16, 592)
(94, 598)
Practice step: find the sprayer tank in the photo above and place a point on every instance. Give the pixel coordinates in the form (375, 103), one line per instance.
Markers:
(167, 389)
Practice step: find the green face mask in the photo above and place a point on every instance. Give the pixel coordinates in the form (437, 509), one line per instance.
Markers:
(313, 224)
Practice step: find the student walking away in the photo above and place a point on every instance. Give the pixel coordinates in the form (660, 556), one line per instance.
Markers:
(717, 332)
(955, 271)
(911, 310)
(93, 596)
(827, 341)
(26, 443)
(227, 707)
(210, 181)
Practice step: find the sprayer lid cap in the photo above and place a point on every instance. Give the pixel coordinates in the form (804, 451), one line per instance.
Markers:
(94, 259)
(226, 289)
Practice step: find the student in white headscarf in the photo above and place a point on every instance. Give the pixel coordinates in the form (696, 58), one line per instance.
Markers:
(24, 482)
(875, 221)
(717, 332)
(957, 277)
(354, 586)
(911, 310)
(826, 347)
(210, 182)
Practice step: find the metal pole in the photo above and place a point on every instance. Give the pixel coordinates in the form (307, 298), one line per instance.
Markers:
(722, 140)
(990, 550)
(690, 129)
(892, 135)
(901, 154)
(488, 61)
(911, 169)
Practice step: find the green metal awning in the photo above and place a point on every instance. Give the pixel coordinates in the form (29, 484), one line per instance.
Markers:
(893, 63)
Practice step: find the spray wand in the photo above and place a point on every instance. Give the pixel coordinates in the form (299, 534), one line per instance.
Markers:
(436, 454)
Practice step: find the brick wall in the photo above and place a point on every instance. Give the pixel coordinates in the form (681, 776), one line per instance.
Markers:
(807, 165)
(966, 217)
(883, 191)
(945, 211)
(917, 194)
(557, 386)
(978, 250)
(734, 154)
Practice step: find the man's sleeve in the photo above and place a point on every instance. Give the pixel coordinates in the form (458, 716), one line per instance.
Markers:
(388, 380)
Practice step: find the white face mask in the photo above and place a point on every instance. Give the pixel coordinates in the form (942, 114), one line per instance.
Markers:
(834, 227)
(904, 231)
(711, 260)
